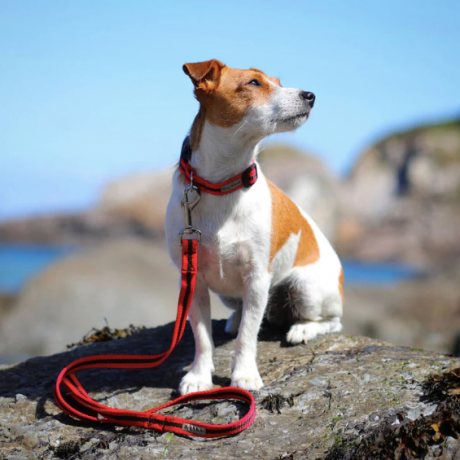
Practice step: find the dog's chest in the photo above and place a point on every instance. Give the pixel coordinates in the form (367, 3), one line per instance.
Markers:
(235, 232)
(226, 261)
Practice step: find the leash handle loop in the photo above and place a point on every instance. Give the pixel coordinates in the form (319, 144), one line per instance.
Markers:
(76, 402)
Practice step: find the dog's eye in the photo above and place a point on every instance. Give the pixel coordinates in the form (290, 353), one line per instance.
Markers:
(254, 82)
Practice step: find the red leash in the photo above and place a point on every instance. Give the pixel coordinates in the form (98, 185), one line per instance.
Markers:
(80, 405)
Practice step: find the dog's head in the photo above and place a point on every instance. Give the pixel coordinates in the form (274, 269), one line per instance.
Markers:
(248, 99)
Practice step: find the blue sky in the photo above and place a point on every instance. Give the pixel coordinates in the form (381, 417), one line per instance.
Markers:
(92, 89)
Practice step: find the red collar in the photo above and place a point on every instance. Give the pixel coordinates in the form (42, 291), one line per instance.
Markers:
(245, 179)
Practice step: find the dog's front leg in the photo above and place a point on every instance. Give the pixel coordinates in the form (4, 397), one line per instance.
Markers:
(244, 369)
(199, 378)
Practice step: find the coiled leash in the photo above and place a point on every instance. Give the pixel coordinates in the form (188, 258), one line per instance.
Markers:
(80, 405)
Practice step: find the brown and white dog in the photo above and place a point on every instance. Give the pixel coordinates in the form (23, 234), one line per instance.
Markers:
(260, 252)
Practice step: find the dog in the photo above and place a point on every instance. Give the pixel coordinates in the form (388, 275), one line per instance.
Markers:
(260, 252)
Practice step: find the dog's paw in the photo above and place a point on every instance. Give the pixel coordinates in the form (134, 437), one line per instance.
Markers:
(247, 380)
(233, 323)
(303, 332)
(195, 382)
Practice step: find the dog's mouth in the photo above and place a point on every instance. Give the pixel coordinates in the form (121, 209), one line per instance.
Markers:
(294, 117)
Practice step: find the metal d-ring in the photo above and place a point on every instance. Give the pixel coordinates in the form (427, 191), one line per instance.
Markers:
(189, 206)
(189, 231)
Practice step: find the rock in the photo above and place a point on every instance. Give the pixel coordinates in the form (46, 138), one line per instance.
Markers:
(141, 197)
(422, 313)
(7, 302)
(336, 391)
(402, 199)
(124, 281)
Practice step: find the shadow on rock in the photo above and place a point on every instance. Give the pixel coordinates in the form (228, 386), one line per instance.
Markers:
(36, 377)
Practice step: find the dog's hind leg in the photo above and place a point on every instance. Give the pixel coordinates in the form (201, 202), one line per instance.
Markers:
(199, 377)
(233, 322)
(319, 311)
(309, 307)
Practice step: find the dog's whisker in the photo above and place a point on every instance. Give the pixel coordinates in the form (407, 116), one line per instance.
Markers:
(239, 129)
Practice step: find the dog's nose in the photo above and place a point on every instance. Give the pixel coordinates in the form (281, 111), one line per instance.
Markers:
(310, 97)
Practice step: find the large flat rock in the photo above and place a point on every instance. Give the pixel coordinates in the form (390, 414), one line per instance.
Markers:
(316, 395)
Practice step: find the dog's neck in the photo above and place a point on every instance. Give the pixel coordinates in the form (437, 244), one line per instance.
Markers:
(223, 152)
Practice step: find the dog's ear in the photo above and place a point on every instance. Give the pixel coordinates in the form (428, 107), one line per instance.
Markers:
(204, 75)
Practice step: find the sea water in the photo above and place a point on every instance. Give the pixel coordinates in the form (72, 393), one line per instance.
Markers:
(20, 262)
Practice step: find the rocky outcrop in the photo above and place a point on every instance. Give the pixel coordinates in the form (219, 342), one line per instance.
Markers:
(324, 400)
(402, 198)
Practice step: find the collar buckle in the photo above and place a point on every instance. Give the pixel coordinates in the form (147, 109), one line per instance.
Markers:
(249, 176)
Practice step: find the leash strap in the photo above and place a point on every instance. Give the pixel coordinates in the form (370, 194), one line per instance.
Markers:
(246, 179)
(75, 401)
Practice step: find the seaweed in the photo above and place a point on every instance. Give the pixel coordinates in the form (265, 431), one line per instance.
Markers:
(106, 334)
(73, 450)
(276, 401)
(68, 450)
(406, 439)
(438, 387)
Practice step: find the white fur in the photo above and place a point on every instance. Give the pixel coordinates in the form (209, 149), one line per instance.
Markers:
(234, 256)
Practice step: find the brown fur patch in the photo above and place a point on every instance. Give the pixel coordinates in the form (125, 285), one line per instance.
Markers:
(341, 279)
(224, 93)
(228, 104)
(274, 80)
(286, 220)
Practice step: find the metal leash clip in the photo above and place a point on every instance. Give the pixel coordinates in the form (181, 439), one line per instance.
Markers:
(189, 206)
